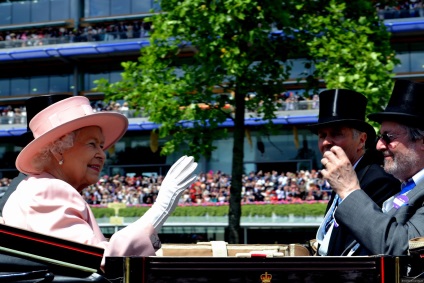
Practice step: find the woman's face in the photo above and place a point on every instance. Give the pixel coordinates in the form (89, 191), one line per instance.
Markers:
(83, 162)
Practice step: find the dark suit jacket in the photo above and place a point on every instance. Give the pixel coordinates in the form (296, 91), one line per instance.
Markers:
(378, 185)
(383, 233)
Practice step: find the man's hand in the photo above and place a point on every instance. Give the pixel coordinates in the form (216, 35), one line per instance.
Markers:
(339, 172)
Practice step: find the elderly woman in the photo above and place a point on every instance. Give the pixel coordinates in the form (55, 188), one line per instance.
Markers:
(67, 155)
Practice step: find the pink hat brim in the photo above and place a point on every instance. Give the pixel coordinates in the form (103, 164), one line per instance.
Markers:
(113, 126)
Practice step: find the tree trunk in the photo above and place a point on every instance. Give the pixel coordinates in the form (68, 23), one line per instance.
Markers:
(234, 213)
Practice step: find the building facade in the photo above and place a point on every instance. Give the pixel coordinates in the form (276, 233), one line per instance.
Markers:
(63, 46)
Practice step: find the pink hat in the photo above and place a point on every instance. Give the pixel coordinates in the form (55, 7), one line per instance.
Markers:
(64, 117)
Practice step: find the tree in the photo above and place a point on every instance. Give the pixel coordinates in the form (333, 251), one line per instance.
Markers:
(206, 58)
(231, 53)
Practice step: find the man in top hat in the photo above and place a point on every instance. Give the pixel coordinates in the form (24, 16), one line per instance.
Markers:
(342, 123)
(386, 230)
(33, 105)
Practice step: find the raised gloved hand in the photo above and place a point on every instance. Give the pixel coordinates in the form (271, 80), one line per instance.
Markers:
(179, 177)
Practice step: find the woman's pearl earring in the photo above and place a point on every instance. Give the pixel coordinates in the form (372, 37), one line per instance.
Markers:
(60, 162)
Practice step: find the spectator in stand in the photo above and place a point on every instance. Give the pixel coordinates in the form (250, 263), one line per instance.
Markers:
(314, 190)
(295, 192)
(273, 197)
(206, 197)
(185, 197)
(222, 198)
(291, 101)
(322, 183)
(315, 101)
(325, 196)
(19, 118)
(10, 115)
(125, 110)
(214, 198)
(282, 179)
(116, 107)
(310, 196)
(420, 8)
(148, 196)
(281, 193)
(136, 29)
(343, 125)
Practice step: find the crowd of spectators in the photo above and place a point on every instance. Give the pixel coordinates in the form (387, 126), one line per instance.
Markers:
(127, 29)
(403, 9)
(105, 31)
(285, 102)
(17, 115)
(213, 187)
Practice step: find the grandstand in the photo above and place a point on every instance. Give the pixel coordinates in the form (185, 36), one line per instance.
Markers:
(62, 46)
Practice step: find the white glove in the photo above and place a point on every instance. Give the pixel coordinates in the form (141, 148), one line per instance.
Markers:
(179, 177)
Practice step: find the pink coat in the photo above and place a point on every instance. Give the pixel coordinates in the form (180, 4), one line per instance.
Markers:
(44, 204)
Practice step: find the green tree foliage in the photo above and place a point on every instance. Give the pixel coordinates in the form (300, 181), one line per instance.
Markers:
(206, 58)
(352, 53)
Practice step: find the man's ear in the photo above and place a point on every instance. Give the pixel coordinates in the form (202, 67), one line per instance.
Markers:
(363, 139)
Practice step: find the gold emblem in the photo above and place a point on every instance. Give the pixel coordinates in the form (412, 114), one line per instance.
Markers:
(266, 278)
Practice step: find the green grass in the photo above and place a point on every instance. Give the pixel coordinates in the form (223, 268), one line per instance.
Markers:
(267, 210)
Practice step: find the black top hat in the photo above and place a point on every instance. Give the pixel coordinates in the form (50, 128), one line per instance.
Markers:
(405, 105)
(33, 106)
(343, 107)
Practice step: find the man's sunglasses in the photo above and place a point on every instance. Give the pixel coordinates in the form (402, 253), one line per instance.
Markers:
(387, 138)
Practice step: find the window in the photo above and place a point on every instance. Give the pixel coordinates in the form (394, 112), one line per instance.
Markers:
(120, 7)
(20, 86)
(60, 84)
(5, 13)
(21, 12)
(38, 85)
(4, 87)
(40, 11)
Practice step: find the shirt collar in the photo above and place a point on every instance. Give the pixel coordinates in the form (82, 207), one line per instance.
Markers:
(419, 177)
(356, 163)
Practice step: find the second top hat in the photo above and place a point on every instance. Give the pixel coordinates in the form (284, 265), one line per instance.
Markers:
(405, 105)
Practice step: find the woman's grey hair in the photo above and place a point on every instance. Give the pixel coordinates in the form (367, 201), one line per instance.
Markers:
(44, 156)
